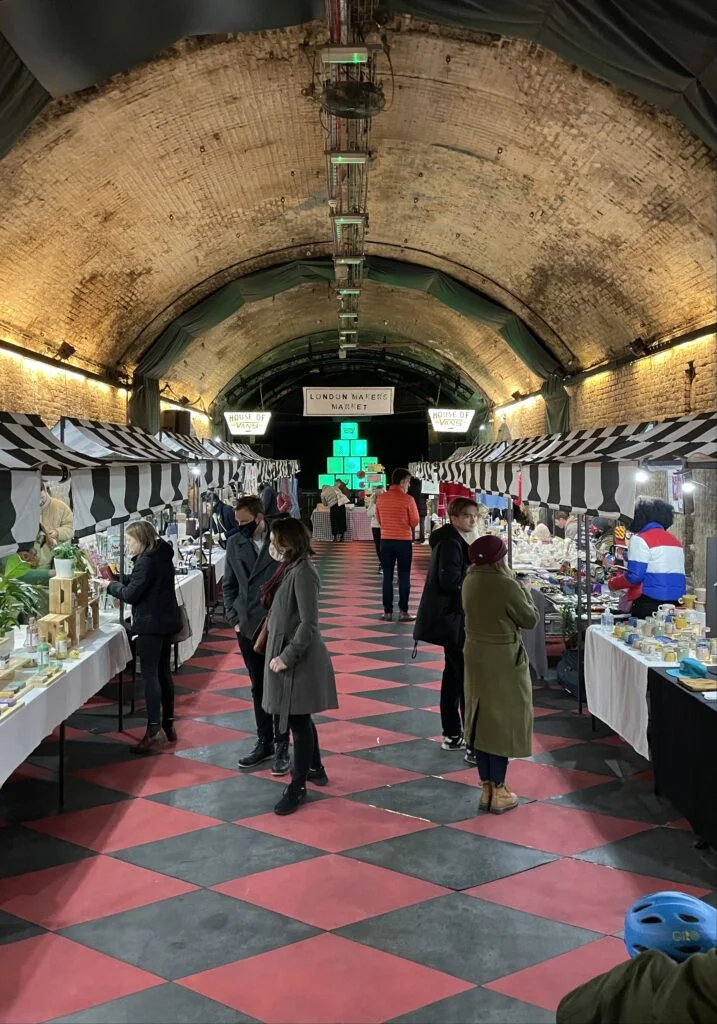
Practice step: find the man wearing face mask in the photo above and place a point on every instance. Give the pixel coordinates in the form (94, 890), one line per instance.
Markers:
(251, 563)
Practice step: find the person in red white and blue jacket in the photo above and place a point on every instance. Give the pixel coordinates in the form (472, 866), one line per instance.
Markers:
(655, 571)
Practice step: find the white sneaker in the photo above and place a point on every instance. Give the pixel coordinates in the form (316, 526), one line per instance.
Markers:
(453, 743)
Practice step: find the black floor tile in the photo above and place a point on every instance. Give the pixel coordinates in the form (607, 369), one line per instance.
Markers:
(468, 938)
(403, 653)
(479, 1006)
(95, 721)
(415, 722)
(434, 799)
(408, 673)
(623, 798)
(662, 853)
(408, 696)
(228, 799)
(601, 758)
(14, 929)
(451, 858)
(239, 692)
(218, 854)
(223, 755)
(29, 799)
(554, 697)
(93, 751)
(189, 934)
(424, 756)
(22, 850)
(572, 726)
(159, 1005)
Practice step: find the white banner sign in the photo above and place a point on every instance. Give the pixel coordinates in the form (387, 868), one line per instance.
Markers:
(254, 423)
(348, 401)
(451, 421)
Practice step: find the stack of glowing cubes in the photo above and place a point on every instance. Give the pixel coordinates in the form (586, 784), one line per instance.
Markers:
(349, 458)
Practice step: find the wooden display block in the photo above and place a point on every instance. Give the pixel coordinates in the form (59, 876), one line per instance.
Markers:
(76, 626)
(50, 625)
(94, 606)
(45, 676)
(7, 675)
(20, 661)
(66, 594)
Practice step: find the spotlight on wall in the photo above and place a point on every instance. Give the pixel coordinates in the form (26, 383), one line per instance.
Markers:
(638, 347)
(689, 487)
(517, 396)
(184, 400)
(66, 350)
(482, 426)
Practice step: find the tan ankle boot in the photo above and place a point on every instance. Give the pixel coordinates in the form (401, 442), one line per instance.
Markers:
(486, 796)
(503, 800)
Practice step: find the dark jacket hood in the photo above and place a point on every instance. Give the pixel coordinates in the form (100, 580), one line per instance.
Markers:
(444, 533)
(164, 552)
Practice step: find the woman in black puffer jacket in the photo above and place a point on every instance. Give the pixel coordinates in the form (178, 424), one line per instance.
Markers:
(155, 619)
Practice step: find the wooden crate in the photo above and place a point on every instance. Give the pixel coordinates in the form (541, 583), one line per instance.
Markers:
(50, 625)
(94, 605)
(66, 593)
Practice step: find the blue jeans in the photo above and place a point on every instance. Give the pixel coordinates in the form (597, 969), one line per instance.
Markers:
(392, 552)
(492, 767)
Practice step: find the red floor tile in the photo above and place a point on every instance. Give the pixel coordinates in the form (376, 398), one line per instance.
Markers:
(151, 775)
(201, 702)
(49, 976)
(431, 686)
(350, 620)
(220, 662)
(348, 682)
(356, 647)
(542, 712)
(542, 742)
(331, 892)
(553, 829)
(325, 980)
(585, 895)
(354, 633)
(353, 775)
(546, 983)
(211, 680)
(344, 737)
(74, 893)
(355, 663)
(189, 733)
(119, 826)
(351, 706)
(336, 825)
(538, 781)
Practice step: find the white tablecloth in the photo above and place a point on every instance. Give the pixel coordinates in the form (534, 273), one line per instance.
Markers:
(191, 591)
(616, 686)
(219, 560)
(104, 654)
(357, 522)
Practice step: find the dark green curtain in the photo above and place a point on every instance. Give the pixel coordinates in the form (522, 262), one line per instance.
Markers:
(144, 404)
(21, 97)
(557, 406)
(174, 340)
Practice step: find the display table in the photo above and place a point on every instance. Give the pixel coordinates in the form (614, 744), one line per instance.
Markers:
(219, 560)
(683, 741)
(190, 591)
(616, 686)
(104, 653)
(358, 525)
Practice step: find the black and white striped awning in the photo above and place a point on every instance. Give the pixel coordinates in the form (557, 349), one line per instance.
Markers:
(19, 508)
(213, 472)
(112, 442)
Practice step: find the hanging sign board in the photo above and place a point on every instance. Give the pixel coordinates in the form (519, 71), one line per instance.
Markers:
(348, 401)
(254, 423)
(451, 421)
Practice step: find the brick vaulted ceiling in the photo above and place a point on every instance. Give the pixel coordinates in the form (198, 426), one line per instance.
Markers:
(587, 212)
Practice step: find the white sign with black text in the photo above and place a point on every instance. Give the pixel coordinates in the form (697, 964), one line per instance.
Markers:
(451, 421)
(253, 423)
(348, 401)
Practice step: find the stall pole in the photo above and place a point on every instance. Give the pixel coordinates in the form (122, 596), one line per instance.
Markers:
(61, 771)
(579, 617)
(120, 674)
(588, 581)
(510, 531)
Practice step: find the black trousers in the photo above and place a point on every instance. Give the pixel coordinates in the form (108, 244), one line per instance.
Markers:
(453, 702)
(307, 753)
(644, 606)
(396, 552)
(154, 653)
(337, 517)
(376, 531)
(267, 727)
(491, 767)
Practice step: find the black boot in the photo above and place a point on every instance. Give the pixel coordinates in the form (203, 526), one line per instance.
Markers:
(281, 760)
(318, 776)
(263, 751)
(292, 799)
(169, 731)
(153, 738)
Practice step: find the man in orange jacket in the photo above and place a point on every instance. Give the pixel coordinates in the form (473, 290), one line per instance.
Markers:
(397, 516)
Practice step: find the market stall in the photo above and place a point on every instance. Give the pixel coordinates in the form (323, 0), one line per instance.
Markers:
(357, 523)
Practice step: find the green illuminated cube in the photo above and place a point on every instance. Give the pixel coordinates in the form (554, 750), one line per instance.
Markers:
(359, 447)
(349, 431)
(351, 465)
(335, 465)
(343, 448)
(326, 480)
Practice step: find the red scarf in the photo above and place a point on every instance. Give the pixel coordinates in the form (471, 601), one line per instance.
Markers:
(269, 589)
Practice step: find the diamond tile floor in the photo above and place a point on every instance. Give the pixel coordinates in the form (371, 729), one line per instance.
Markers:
(168, 890)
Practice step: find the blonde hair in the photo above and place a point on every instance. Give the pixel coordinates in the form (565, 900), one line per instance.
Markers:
(145, 535)
(501, 567)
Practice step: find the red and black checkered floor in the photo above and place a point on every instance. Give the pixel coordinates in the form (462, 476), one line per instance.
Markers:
(169, 891)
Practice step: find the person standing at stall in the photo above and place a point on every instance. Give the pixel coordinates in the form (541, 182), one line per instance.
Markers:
(397, 516)
(499, 693)
(299, 678)
(248, 567)
(55, 518)
(655, 571)
(336, 501)
(440, 614)
(156, 619)
(375, 527)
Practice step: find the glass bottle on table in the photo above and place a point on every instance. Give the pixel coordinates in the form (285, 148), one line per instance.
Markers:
(607, 621)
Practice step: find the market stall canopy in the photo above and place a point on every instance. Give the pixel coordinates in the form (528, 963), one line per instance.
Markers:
(27, 446)
(268, 469)
(138, 475)
(213, 472)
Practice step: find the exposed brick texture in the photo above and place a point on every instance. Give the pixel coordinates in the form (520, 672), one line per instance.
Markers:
(51, 394)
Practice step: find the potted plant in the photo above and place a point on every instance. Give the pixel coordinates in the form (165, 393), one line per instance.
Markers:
(68, 557)
(569, 667)
(16, 598)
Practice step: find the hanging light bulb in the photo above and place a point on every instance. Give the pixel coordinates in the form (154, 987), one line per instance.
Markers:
(642, 476)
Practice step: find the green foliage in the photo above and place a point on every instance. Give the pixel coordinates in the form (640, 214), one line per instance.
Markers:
(16, 596)
(569, 626)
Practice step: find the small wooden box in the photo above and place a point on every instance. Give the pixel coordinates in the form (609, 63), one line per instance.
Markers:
(94, 606)
(62, 592)
(76, 626)
(50, 625)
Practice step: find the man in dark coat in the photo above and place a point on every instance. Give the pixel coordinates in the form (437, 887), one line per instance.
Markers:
(269, 503)
(224, 520)
(416, 492)
(249, 565)
(440, 614)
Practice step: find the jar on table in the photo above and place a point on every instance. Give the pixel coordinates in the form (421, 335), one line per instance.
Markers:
(703, 651)
(670, 654)
(43, 655)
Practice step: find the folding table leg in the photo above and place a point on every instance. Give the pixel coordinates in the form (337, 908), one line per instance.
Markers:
(61, 776)
(120, 701)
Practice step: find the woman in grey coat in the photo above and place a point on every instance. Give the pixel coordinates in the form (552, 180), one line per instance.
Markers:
(298, 678)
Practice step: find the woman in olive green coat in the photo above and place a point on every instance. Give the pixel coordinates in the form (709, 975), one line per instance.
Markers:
(498, 689)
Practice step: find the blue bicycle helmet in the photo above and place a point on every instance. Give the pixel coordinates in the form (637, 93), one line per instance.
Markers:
(673, 922)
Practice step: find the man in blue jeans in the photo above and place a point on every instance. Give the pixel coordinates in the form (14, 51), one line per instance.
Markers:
(397, 516)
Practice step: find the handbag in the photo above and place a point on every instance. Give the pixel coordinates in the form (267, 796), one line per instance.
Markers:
(261, 636)
(185, 628)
